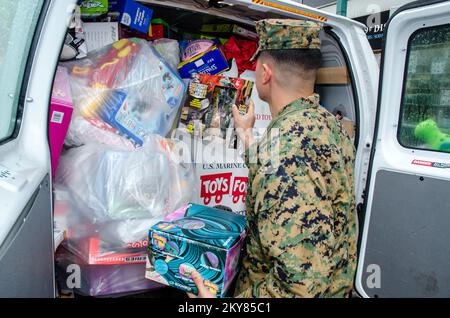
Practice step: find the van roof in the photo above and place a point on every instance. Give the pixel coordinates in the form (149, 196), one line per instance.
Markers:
(249, 11)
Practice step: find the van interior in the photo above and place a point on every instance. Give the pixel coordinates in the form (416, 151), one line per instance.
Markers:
(334, 82)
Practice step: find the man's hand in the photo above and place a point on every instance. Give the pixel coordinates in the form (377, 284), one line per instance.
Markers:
(203, 292)
(244, 124)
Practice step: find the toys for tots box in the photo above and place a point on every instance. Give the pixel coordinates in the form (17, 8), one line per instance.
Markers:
(207, 240)
(221, 175)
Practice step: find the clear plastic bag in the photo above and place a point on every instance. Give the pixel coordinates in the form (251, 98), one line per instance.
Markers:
(113, 184)
(127, 86)
(170, 49)
(84, 131)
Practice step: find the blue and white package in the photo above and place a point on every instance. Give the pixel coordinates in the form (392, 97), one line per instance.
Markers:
(206, 239)
(134, 15)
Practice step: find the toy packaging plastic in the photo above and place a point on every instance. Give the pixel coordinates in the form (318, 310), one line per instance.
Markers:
(213, 61)
(210, 100)
(117, 195)
(114, 184)
(206, 239)
(129, 88)
(61, 109)
(170, 49)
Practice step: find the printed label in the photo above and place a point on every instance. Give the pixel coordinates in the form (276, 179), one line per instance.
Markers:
(57, 117)
(432, 164)
(217, 185)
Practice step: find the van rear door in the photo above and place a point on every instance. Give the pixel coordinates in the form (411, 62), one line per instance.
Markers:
(405, 250)
(32, 33)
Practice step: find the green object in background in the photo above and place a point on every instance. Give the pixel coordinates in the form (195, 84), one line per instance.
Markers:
(341, 8)
(94, 7)
(429, 132)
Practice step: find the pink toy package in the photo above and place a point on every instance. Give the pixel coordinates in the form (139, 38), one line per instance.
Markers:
(61, 108)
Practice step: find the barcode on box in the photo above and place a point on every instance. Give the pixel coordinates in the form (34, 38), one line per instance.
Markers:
(57, 117)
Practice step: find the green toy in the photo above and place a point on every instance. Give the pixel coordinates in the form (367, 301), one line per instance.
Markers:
(429, 132)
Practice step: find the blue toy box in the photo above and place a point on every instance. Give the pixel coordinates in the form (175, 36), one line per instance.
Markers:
(212, 62)
(134, 15)
(206, 239)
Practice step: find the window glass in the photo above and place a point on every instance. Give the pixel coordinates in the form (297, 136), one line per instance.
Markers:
(425, 112)
(18, 20)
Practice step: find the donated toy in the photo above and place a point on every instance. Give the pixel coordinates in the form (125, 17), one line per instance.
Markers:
(429, 132)
(128, 89)
(112, 67)
(205, 239)
(210, 100)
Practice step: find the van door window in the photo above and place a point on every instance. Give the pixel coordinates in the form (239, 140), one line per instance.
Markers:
(18, 21)
(425, 113)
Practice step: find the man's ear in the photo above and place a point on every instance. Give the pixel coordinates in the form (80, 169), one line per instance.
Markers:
(267, 74)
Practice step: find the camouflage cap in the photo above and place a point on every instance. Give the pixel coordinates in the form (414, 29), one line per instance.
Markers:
(276, 34)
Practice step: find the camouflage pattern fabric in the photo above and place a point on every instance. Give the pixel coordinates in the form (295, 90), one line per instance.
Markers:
(301, 217)
(276, 34)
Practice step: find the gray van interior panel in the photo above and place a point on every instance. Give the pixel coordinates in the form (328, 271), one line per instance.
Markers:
(26, 256)
(408, 237)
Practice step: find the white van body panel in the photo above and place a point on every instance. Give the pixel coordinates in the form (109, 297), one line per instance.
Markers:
(29, 155)
(390, 155)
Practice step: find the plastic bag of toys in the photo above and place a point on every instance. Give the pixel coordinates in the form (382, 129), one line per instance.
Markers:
(126, 88)
(109, 183)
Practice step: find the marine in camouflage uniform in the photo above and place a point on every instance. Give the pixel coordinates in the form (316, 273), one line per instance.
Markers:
(301, 218)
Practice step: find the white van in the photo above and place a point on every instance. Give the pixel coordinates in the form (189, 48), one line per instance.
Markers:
(402, 181)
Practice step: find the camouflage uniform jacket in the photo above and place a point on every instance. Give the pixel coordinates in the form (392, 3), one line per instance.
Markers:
(301, 217)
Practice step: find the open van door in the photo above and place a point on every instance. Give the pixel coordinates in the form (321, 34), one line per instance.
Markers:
(405, 246)
(32, 34)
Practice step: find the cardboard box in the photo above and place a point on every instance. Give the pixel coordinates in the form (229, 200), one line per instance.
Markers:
(221, 176)
(332, 76)
(135, 15)
(95, 252)
(101, 280)
(212, 61)
(210, 100)
(349, 126)
(134, 253)
(198, 241)
(61, 109)
(229, 28)
(100, 34)
(94, 7)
